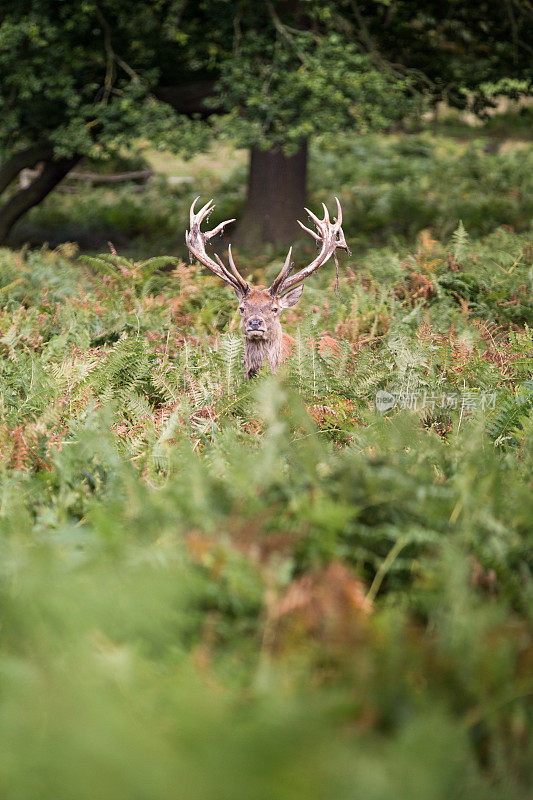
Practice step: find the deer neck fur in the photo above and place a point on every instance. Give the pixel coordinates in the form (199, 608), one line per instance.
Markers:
(256, 351)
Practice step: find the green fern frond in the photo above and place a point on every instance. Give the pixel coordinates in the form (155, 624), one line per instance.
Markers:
(230, 350)
(103, 265)
(460, 242)
(126, 367)
(150, 265)
(508, 419)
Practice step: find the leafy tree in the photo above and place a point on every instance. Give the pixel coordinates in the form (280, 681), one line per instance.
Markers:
(273, 74)
(298, 69)
(68, 91)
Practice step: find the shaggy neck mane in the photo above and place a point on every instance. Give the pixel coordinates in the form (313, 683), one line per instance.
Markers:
(256, 351)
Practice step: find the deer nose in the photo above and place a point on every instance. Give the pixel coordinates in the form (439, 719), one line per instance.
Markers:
(255, 323)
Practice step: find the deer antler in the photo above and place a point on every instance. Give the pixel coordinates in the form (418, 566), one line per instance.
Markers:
(196, 240)
(330, 236)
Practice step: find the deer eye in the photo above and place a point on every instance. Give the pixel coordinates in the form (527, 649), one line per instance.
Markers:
(275, 309)
(241, 309)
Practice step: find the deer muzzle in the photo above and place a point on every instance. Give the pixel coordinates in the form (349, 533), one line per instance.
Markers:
(255, 327)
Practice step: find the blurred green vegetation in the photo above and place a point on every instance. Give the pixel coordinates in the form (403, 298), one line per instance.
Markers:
(215, 588)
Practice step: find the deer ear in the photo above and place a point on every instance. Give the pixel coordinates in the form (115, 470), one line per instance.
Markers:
(292, 297)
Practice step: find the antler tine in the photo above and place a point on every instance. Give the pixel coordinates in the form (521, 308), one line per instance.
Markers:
(228, 277)
(339, 213)
(286, 268)
(315, 219)
(205, 211)
(341, 241)
(330, 236)
(196, 240)
(192, 212)
(308, 230)
(218, 229)
(234, 269)
(198, 216)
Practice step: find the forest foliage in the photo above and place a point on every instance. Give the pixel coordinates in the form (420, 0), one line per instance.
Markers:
(274, 588)
(80, 78)
(88, 79)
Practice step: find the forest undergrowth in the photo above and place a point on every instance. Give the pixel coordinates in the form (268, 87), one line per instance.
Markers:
(314, 584)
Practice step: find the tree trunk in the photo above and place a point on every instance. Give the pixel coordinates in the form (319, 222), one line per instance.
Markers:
(276, 197)
(276, 182)
(53, 172)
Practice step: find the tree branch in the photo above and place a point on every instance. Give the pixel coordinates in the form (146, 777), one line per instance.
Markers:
(373, 50)
(21, 160)
(18, 205)
(109, 56)
(286, 31)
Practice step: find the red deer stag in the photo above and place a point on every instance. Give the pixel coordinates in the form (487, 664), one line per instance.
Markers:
(261, 308)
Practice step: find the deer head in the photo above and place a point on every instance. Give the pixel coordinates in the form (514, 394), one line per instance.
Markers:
(260, 307)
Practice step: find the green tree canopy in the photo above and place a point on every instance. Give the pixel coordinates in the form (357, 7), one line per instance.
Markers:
(88, 78)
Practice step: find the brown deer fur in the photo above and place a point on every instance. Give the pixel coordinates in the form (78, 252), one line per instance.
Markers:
(265, 344)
